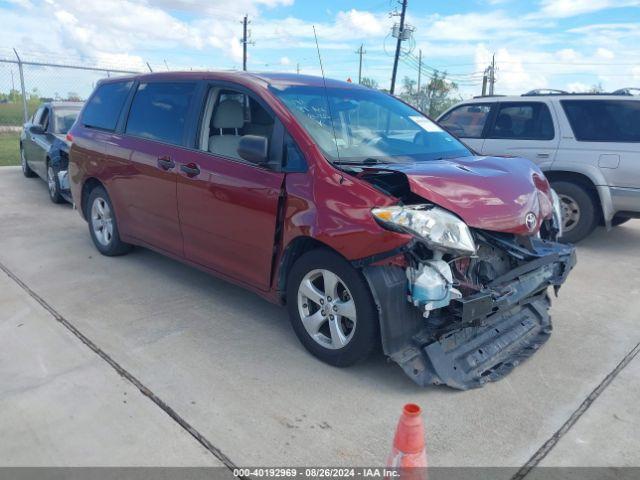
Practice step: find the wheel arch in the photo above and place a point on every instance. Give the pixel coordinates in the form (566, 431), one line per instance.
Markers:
(580, 179)
(292, 252)
(88, 185)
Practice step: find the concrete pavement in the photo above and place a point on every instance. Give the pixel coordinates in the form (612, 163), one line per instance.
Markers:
(228, 363)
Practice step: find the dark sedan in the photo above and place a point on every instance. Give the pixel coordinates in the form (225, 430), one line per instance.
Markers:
(44, 150)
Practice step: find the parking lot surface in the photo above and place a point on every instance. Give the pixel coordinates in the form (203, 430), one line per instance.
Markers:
(228, 364)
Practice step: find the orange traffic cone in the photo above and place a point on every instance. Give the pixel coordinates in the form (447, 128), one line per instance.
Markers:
(409, 448)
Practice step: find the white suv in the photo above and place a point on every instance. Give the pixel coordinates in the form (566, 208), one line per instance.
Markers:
(587, 145)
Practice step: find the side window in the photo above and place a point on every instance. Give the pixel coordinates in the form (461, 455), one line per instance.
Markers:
(44, 118)
(523, 121)
(36, 116)
(104, 107)
(604, 120)
(159, 111)
(229, 115)
(467, 121)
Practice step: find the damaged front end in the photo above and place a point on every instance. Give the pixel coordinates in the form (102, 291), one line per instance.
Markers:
(459, 319)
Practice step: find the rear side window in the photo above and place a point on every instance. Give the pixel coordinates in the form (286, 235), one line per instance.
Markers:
(104, 107)
(467, 121)
(159, 111)
(604, 120)
(523, 121)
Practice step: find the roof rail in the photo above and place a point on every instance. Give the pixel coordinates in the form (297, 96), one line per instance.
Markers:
(488, 96)
(545, 91)
(627, 91)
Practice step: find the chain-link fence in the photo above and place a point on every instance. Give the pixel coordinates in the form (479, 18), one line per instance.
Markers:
(25, 83)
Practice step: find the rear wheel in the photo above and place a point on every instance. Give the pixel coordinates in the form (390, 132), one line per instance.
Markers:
(331, 308)
(579, 212)
(26, 169)
(102, 224)
(54, 185)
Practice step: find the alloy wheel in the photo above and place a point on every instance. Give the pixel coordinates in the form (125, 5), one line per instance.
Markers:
(23, 161)
(51, 181)
(327, 309)
(102, 221)
(570, 212)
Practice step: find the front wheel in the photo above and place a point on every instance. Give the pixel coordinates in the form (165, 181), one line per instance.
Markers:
(102, 224)
(579, 211)
(331, 308)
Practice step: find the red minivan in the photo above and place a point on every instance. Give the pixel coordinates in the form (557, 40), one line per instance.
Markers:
(373, 225)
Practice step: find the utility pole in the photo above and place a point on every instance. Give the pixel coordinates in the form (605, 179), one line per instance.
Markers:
(298, 68)
(492, 75)
(24, 93)
(398, 46)
(419, 68)
(360, 52)
(484, 82)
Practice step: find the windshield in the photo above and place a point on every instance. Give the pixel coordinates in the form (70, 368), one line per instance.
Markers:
(64, 118)
(357, 125)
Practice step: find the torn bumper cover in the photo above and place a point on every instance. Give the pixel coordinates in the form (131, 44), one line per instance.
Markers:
(480, 337)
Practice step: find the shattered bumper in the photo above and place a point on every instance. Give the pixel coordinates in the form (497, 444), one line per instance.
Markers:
(489, 332)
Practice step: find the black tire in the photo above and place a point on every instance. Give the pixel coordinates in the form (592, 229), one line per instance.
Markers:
(619, 221)
(588, 211)
(53, 188)
(26, 169)
(113, 246)
(365, 337)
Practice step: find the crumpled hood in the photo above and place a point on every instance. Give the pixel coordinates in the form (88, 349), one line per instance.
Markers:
(489, 193)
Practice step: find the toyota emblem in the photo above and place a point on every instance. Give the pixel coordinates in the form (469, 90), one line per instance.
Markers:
(531, 221)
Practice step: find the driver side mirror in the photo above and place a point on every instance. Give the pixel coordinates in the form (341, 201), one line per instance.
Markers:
(36, 130)
(254, 149)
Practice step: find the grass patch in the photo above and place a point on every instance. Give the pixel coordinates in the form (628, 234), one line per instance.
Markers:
(11, 113)
(9, 149)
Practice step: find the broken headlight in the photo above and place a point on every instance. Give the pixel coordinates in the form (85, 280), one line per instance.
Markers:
(438, 228)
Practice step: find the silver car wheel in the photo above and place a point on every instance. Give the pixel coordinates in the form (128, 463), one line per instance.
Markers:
(51, 181)
(23, 161)
(327, 309)
(570, 212)
(102, 221)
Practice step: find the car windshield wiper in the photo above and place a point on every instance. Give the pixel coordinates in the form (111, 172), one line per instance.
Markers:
(367, 161)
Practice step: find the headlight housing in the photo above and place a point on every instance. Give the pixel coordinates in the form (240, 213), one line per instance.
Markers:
(557, 212)
(437, 227)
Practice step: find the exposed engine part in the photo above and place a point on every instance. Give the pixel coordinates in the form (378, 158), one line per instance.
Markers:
(431, 286)
(500, 318)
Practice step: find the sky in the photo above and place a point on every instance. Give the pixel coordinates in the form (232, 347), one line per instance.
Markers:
(563, 44)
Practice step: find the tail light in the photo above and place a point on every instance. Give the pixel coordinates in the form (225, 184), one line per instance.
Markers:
(69, 137)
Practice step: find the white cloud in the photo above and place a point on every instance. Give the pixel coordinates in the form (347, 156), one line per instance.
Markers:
(285, 61)
(570, 8)
(578, 87)
(514, 77)
(605, 53)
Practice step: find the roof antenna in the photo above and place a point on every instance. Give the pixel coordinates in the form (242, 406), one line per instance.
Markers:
(326, 94)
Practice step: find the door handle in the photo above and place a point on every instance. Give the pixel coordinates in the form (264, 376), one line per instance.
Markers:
(166, 163)
(191, 169)
(542, 155)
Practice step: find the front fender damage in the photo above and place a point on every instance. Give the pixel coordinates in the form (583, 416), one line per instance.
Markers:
(482, 336)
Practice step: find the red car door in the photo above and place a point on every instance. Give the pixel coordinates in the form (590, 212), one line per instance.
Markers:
(228, 206)
(151, 148)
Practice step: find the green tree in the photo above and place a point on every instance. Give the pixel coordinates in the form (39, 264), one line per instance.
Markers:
(369, 82)
(432, 98)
